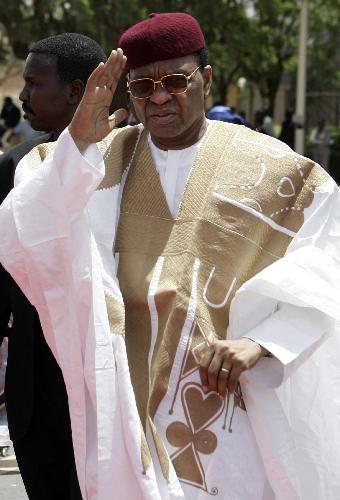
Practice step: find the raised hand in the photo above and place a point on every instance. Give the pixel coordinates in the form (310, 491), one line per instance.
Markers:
(92, 121)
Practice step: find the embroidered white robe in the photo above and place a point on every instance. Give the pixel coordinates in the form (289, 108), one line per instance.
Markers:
(55, 242)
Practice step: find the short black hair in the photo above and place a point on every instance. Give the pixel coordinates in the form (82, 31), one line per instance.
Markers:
(76, 55)
(202, 57)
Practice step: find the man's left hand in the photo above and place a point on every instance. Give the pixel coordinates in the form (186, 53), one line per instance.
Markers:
(225, 360)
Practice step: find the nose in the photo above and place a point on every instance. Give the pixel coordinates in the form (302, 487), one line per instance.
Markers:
(160, 95)
(23, 96)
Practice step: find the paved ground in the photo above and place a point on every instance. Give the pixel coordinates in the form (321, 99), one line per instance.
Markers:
(11, 487)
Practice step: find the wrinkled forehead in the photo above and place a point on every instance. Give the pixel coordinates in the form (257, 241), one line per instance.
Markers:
(157, 69)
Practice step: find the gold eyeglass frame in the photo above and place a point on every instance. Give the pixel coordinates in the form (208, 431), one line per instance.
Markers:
(155, 82)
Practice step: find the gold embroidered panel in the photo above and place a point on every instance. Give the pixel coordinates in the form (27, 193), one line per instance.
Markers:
(242, 206)
(117, 150)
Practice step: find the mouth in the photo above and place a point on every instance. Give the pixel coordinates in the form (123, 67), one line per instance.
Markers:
(163, 118)
(28, 113)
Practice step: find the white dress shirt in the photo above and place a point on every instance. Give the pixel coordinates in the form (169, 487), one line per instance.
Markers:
(173, 167)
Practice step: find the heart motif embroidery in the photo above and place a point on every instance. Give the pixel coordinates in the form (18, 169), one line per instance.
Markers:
(286, 188)
(200, 409)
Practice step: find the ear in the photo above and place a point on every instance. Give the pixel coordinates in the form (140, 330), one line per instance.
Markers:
(77, 88)
(207, 78)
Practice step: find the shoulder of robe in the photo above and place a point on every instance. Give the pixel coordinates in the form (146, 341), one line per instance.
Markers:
(34, 158)
(115, 148)
(118, 149)
(251, 149)
(27, 155)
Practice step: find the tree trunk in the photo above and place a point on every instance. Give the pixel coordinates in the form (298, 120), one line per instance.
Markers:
(223, 81)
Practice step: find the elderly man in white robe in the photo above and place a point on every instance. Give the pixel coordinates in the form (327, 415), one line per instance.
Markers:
(186, 275)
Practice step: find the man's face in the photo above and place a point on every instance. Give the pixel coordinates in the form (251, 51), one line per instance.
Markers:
(175, 121)
(45, 99)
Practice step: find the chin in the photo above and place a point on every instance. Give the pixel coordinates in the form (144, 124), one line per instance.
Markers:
(38, 127)
(165, 132)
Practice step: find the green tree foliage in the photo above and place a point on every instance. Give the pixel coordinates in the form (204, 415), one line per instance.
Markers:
(324, 46)
(253, 39)
(270, 44)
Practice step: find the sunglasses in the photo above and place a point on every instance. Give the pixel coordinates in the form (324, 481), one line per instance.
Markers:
(177, 83)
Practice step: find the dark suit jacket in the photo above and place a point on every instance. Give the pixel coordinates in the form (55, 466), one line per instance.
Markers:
(32, 373)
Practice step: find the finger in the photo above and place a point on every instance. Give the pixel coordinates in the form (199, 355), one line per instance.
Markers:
(234, 378)
(204, 365)
(120, 61)
(111, 66)
(113, 69)
(117, 117)
(223, 378)
(92, 82)
(121, 55)
(213, 371)
(122, 58)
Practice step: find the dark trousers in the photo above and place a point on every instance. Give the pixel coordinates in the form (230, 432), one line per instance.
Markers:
(45, 457)
(46, 462)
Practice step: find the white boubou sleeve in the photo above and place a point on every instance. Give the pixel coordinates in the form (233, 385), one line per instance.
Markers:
(36, 217)
(292, 306)
(46, 247)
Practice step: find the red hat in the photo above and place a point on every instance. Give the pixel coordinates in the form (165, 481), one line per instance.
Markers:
(160, 37)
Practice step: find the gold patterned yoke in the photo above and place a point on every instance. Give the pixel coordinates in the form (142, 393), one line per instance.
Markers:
(239, 212)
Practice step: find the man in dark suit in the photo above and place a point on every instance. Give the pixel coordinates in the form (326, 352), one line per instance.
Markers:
(10, 116)
(55, 75)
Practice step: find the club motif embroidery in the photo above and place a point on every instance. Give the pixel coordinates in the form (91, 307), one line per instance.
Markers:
(193, 437)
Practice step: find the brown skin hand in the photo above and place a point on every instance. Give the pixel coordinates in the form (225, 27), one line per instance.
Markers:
(236, 356)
